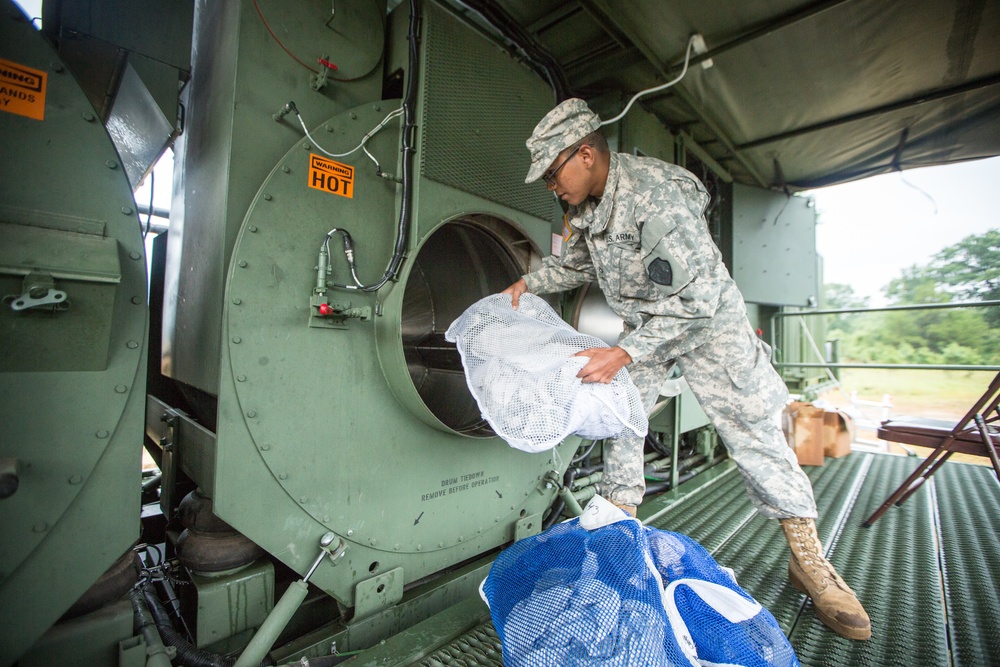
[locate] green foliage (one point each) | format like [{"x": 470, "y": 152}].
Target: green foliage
[
  {"x": 968, "y": 270},
  {"x": 971, "y": 268},
  {"x": 837, "y": 296}
]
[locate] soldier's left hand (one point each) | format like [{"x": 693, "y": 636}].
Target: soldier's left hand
[{"x": 604, "y": 364}]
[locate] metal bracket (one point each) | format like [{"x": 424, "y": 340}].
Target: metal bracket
[
  {"x": 38, "y": 291},
  {"x": 528, "y": 526},
  {"x": 378, "y": 593},
  {"x": 168, "y": 464},
  {"x": 325, "y": 314}
]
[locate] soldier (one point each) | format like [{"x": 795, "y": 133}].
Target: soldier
[{"x": 638, "y": 228}]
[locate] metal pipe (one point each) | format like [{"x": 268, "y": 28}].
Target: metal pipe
[
  {"x": 913, "y": 367},
  {"x": 886, "y": 309},
  {"x": 572, "y": 504},
  {"x": 583, "y": 496}
]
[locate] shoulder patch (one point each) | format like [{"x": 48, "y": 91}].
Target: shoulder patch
[{"x": 660, "y": 272}]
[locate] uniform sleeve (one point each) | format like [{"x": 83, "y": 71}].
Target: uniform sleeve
[
  {"x": 558, "y": 274},
  {"x": 678, "y": 207}
]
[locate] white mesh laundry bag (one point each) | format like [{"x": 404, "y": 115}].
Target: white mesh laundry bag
[{"x": 520, "y": 368}]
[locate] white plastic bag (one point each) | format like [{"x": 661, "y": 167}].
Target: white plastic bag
[{"x": 520, "y": 368}]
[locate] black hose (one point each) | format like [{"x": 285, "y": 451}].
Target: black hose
[
  {"x": 657, "y": 445},
  {"x": 188, "y": 654},
  {"x": 560, "y": 504},
  {"x": 406, "y": 205}
]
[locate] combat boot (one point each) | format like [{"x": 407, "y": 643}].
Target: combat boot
[{"x": 811, "y": 573}]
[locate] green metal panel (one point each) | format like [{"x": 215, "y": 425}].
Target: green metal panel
[
  {"x": 229, "y": 604},
  {"x": 478, "y": 108},
  {"x": 240, "y": 78},
  {"x": 774, "y": 247},
  {"x": 74, "y": 427},
  {"x": 92, "y": 640}
]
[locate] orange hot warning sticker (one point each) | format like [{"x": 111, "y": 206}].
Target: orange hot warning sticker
[
  {"x": 22, "y": 90},
  {"x": 331, "y": 176}
]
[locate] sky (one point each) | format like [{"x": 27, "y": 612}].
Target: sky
[{"x": 870, "y": 230}]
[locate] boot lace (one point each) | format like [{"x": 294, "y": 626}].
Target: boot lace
[{"x": 810, "y": 558}]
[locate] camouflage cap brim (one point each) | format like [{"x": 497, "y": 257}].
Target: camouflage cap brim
[{"x": 561, "y": 127}]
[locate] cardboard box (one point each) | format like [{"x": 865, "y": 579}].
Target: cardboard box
[
  {"x": 838, "y": 433},
  {"x": 803, "y": 426}
]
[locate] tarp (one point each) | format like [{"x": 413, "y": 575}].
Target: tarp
[{"x": 800, "y": 94}]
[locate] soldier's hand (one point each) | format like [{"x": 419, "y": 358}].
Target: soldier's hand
[
  {"x": 515, "y": 291},
  {"x": 604, "y": 364}
]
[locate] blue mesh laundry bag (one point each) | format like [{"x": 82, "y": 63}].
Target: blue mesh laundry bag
[{"x": 603, "y": 590}]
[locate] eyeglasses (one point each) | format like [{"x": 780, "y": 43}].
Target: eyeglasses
[{"x": 550, "y": 176}]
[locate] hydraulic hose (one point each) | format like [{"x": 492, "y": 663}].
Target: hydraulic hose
[
  {"x": 155, "y": 650},
  {"x": 188, "y": 654}
]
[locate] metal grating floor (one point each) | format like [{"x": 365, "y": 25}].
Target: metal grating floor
[{"x": 928, "y": 572}]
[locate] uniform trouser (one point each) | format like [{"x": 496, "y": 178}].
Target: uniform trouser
[{"x": 742, "y": 395}]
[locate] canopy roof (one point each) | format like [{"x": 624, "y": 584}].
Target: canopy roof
[{"x": 800, "y": 93}]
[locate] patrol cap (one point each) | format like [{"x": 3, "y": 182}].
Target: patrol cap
[{"x": 566, "y": 124}]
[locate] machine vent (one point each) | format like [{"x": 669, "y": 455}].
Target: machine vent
[{"x": 479, "y": 106}]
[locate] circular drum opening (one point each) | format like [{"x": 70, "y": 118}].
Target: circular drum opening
[{"x": 463, "y": 261}]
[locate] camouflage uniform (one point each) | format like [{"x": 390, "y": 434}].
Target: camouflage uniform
[{"x": 647, "y": 245}]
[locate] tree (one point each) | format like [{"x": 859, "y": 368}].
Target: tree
[
  {"x": 971, "y": 269},
  {"x": 839, "y": 295}
]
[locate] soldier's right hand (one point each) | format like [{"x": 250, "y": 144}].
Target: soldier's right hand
[{"x": 515, "y": 291}]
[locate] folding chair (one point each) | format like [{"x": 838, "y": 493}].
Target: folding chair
[{"x": 977, "y": 433}]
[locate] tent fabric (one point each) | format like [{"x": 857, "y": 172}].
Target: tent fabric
[{"x": 800, "y": 94}]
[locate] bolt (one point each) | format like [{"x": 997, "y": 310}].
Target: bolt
[
  {"x": 264, "y": 448},
  {"x": 111, "y": 164},
  {"x": 127, "y": 211},
  {"x": 283, "y": 475},
  {"x": 350, "y": 532},
  {"x": 253, "y": 229},
  {"x": 40, "y": 527},
  {"x": 243, "y": 264},
  {"x": 237, "y": 340},
  {"x": 102, "y": 434},
  {"x": 251, "y": 414},
  {"x": 135, "y": 255},
  {"x": 237, "y": 301},
  {"x": 267, "y": 197},
  {"x": 57, "y": 67},
  {"x": 137, "y": 300},
  {"x": 120, "y": 389},
  {"x": 132, "y": 344},
  {"x": 241, "y": 378},
  {"x": 75, "y": 479},
  {"x": 89, "y": 117},
  {"x": 285, "y": 169}
]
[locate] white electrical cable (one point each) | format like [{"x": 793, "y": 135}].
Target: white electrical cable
[
  {"x": 364, "y": 140},
  {"x": 687, "y": 59}
]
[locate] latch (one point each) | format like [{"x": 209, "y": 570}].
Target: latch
[{"x": 38, "y": 292}]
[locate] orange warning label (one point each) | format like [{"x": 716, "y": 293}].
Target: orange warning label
[
  {"x": 22, "y": 90},
  {"x": 331, "y": 176}
]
